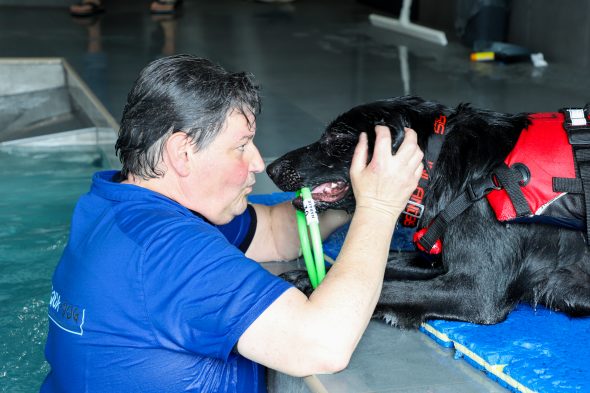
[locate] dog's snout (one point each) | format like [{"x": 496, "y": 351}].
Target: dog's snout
[
  {"x": 274, "y": 169},
  {"x": 284, "y": 175}
]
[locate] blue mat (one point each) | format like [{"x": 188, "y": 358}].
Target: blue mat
[{"x": 533, "y": 350}]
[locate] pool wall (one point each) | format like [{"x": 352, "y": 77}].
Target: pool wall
[{"x": 45, "y": 103}]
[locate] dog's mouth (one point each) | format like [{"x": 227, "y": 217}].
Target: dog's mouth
[
  {"x": 326, "y": 194},
  {"x": 330, "y": 192}
]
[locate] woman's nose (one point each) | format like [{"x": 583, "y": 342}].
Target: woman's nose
[{"x": 257, "y": 163}]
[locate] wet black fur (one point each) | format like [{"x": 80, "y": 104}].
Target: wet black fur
[{"x": 487, "y": 267}]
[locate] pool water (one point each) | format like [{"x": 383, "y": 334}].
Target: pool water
[{"x": 38, "y": 191}]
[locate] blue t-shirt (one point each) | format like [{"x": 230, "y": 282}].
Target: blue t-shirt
[{"x": 149, "y": 297}]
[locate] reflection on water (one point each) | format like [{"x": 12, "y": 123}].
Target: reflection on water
[{"x": 38, "y": 191}]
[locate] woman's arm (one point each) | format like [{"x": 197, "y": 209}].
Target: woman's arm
[
  {"x": 276, "y": 237},
  {"x": 301, "y": 336}
]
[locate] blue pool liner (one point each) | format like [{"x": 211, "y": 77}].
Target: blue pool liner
[{"x": 533, "y": 350}]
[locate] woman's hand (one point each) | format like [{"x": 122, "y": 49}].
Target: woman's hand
[{"x": 386, "y": 183}]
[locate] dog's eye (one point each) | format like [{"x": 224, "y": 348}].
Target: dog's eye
[{"x": 338, "y": 145}]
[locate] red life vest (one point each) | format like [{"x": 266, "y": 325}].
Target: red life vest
[
  {"x": 542, "y": 152},
  {"x": 548, "y": 188}
]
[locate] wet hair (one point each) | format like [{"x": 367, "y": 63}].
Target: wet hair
[{"x": 180, "y": 93}]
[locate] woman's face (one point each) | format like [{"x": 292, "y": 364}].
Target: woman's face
[{"x": 223, "y": 173}]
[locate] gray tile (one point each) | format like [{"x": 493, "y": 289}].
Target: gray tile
[{"x": 388, "y": 359}]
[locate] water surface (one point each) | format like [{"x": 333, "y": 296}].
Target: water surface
[{"x": 38, "y": 191}]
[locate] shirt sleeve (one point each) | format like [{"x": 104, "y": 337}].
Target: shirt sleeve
[
  {"x": 202, "y": 293},
  {"x": 240, "y": 231}
]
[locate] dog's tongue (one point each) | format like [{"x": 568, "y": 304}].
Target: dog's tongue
[{"x": 329, "y": 192}]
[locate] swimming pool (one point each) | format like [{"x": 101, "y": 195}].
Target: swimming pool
[{"x": 38, "y": 191}]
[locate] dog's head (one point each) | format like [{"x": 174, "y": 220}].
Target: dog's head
[{"x": 324, "y": 165}]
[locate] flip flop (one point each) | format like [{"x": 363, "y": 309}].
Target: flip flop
[
  {"x": 173, "y": 3},
  {"x": 95, "y": 9}
]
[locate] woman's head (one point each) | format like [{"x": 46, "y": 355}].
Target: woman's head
[{"x": 180, "y": 93}]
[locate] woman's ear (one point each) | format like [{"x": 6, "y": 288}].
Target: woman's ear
[{"x": 177, "y": 153}]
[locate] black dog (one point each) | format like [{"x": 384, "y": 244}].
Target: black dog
[{"x": 486, "y": 266}]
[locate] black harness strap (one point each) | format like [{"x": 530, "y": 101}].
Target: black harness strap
[
  {"x": 510, "y": 181},
  {"x": 412, "y": 214},
  {"x": 578, "y": 132},
  {"x": 501, "y": 177},
  {"x": 474, "y": 192},
  {"x": 438, "y": 226},
  {"x": 565, "y": 184},
  {"x": 582, "y": 158}
]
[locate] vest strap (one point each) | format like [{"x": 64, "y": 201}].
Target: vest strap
[
  {"x": 578, "y": 131},
  {"x": 569, "y": 185},
  {"x": 510, "y": 181}
]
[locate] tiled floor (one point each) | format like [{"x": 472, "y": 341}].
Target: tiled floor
[{"x": 314, "y": 59}]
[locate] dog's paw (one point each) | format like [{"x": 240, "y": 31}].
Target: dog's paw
[{"x": 404, "y": 321}]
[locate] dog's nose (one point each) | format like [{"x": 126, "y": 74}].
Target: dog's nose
[{"x": 283, "y": 174}]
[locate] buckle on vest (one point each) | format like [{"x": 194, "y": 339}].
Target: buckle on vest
[
  {"x": 576, "y": 117},
  {"x": 415, "y": 211},
  {"x": 577, "y": 127}
]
